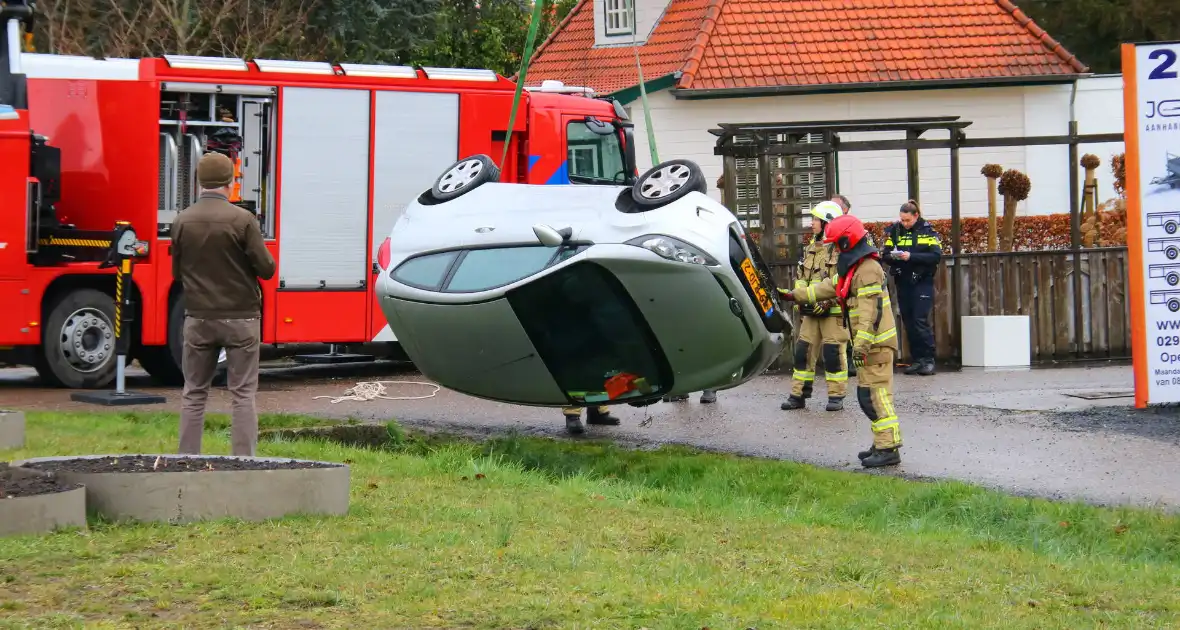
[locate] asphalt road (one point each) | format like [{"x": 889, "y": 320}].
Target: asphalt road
[{"x": 1018, "y": 431}]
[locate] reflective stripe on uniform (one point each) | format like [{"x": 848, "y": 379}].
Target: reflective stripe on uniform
[
  {"x": 871, "y": 338},
  {"x": 800, "y": 375},
  {"x": 837, "y": 376},
  {"x": 872, "y": 289}
]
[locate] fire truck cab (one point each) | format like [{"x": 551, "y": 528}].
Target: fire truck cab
[{"x": 328, "y": 156}]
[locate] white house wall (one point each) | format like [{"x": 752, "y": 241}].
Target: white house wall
[
  {"x": 647, "y": 15},
  {"x": 876, "y": 181}
]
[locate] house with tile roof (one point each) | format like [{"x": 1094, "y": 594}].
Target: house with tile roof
[{"x": 706, "y": 62}]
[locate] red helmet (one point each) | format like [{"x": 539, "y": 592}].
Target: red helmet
[{"x": 846, "y": 231}]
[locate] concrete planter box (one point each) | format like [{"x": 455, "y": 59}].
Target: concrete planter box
[
  {"x": 993, "y": 341},
  {"x": 41, "y": 513},
  {"x": 196, "y": 495},
  {"x": 12, "y": 429}
]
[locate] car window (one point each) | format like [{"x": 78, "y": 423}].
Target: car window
[
  {"x": 425, "y": 271},
  {"x": 594, "y": 158},
  {"x": 587, "y": 328},
  {"x": 483, "y": 269}
]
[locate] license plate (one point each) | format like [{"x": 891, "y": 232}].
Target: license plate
[{"x": 760, "y": 294}]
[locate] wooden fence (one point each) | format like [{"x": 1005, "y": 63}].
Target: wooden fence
[{"x": 1036, "y": 284}]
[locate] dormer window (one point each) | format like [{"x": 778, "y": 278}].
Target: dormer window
[{"x": 620, "y": 17}]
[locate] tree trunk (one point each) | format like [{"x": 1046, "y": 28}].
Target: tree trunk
[
  {"x": 1090, "y": 209},
  {"x": 991, "y": 214},
  {"x": 1009, "y": 224}
]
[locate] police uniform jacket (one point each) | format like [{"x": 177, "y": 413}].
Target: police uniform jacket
[{"x": 925, "y": 249}]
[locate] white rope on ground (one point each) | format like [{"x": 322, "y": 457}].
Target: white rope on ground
[{"x": 373, "y": 390}]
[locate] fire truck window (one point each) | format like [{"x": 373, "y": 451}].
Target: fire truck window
[
  {"x": 425, "y": 272},
  {"x": 586, "y": 328},
  {"x": 594, "y": 158},
  {"x": 483, "y": 269}
]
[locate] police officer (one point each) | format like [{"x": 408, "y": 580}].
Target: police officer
[
  {"x": 822, "y": 323},
  {"x": 913, "y": 252},
  {"x": 860, "y": 285}
]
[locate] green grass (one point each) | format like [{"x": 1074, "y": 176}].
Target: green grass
[{"x": 526, "y": 533}]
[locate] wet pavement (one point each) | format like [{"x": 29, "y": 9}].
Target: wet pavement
[{"x": 1018, "y": 431}]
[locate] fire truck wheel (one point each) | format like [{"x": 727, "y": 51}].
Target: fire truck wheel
[
  {"x": 163, "y": 363},
  {"x": 666, "y": 182},
  {"x": 464, "y": 176},
  {"x": 78, "y": 348}
]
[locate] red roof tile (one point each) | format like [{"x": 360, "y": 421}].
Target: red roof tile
[{"x": 770, "y": 43}]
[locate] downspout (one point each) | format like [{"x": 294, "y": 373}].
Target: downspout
[{"x": 1075, "y": 225}]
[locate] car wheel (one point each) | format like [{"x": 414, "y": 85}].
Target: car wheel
[
  {"x": 1170, "y": 227},
  {"x": 464, "y": 176},
  {"x": 78, "y": 348},
  {"x": 1174, "y": 305},
  {"x": 1173, "y": 278},
  {"x": 1171, "y": 253},
  {"x": 668, "y": 181}
]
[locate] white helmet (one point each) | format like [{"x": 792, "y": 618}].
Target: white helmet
[{"x": 827, "y": 210}]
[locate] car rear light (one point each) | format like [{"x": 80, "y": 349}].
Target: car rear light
[
  {"x": 383, "y": 255},
  {"x": 673, "y": 249}
]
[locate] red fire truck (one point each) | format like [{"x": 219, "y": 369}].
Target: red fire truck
[{"x": 328, "y": 157}]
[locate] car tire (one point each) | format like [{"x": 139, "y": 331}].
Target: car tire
[
  {"x": 78, "y": 342},
  {"x": 464, "y": 176},
  {"x": 666, "y": 182}
]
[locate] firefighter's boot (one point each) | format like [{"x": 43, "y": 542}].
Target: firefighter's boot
[
  {"x": 708, "y": 397},
  {"x": 794, "y": 402},
  {"x": 864, "y": 454},
  {"x": 835, "y": 403},
  {"x": 601, "y": 416},
  {"x": 882, "y": 457},
  {"x": 573, "y": 424}
]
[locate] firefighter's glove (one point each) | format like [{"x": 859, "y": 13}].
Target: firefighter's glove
[
  {"x": 820, "y": 308},
  {"x": 859, "y": 357},
  {"x": 788, "y": 296}
]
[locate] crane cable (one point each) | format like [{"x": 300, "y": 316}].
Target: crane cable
[{"x": 534, "y": 23}]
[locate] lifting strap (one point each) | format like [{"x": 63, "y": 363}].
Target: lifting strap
[{"x": 534, "y": 22}]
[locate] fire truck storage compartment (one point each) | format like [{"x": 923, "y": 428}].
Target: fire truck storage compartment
[
  {"x": 230, "y": 119},
  {"x": 323, "y": 214},
  {"x": 415, "y": 138}
]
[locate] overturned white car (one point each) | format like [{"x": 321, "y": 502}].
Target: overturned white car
[{"x": 578, "y": 295}]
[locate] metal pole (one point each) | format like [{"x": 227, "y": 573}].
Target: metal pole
[
  {"x": 122, "y": 319},
  {"x": 956, "y": 247},
  {"x": 1075, "y": 238},
  {"x": 911, "y": 159},
  {"x": 14, "y": 60}
]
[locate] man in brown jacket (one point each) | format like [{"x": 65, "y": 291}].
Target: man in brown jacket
[{"x": 218, "y": 255}]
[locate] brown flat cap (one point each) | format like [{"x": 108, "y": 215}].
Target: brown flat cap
[{"x": 215, "y": 170}]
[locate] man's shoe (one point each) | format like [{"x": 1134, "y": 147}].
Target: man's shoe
[
  {"x": 594, "y": 417},
  {"x": 927, "y": 368},
  {"x": 573, "y": 425},
  {"x": 887, "y": 457},
  {"x": 835, "y": 404},
  {"x": 708, "y": 397},
  {"x": 913, "y": 368},
  {"x": 794, "y": 402}
]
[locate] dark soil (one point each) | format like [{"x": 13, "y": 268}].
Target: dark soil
[
  {"x": 14, "y": 486},
  {"x": 1154, "y": 423},
  {"x": 148, "y": 463}
]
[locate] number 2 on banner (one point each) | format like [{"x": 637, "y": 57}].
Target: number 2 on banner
[{"x": 1162, "y": 71}]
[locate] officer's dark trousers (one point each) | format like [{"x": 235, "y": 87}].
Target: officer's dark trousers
[{"x": 916, "y": 302}]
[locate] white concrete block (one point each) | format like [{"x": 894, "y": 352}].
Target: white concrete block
[{"x": 996, "y": 340}]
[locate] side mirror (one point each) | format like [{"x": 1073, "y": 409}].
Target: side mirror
[{"x": 550, "y": 237}]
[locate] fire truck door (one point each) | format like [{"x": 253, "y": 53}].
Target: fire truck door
[{"x": 323, "y": 215}]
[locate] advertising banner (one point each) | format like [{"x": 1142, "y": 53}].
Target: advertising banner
[{"x": 1151, "y": 118}]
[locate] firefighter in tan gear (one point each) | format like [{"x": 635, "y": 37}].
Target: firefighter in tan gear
[
  {"x": 861, "y": 285},
  {"x": 594, "y": 415},
  {"x": 823, "y": 332}
]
